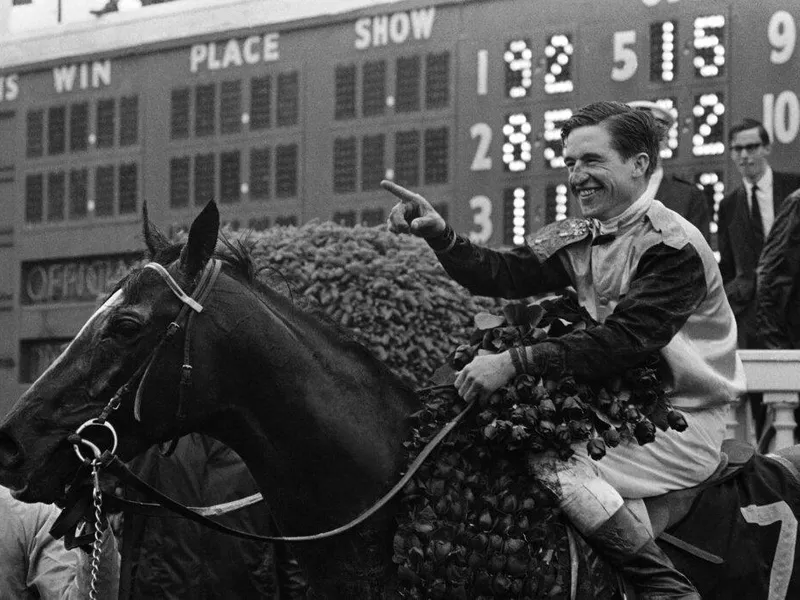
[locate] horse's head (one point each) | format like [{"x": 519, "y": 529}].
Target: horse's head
[{"x": 124, "y": 342}]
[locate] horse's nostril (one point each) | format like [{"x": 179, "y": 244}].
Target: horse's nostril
[{"x": 10, "y": 454}]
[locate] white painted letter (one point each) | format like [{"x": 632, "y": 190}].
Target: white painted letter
[
  {"x": 213, "y": 62},
  {"x": 64, "y": 78},
  {"x": 101, "y": 73},
  {"x": 380, "y": 31},
  {"x": 250, "y": 50},
  {"x": 363, "y": 38},
  {"x": 198, "y": 54},
  {"x": 422, "y": 21},
  {"x": 399, "y": 26},
  {"x": 232, "y": 55},
  {"x": 12, "y": 87},
  {"x": 271, "y": 51}
]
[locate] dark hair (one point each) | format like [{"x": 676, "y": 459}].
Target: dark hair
[
  {"x": 746, "y": 124},
  {"x": 632, "y": 130}
]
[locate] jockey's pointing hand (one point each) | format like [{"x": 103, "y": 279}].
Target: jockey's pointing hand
[
  {"x": 413, "y": 214},
  {"x": 484, "y": 375}
]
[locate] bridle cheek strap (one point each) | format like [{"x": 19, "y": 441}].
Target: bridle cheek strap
[{"x": 194, "y": 302}]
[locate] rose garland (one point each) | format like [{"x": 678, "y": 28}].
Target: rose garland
[{"x": 474, "y": 522}]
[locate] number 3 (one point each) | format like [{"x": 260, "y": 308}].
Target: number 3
[
  {"x": 783, "y": 563},
  {"x": 482, "y": 219}
]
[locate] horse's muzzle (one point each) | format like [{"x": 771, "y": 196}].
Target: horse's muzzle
[{"x": 10, "y": 453}]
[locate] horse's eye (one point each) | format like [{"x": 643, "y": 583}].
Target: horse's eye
[{"x": 124, "y": 327}]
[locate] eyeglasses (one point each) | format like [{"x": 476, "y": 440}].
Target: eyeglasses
[{"x": 749, "y": 147}]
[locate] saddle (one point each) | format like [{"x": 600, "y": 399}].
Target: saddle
[{"x": 671, "y": 508}]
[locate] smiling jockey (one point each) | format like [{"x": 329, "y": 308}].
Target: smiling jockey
[{"x": 651, "y": 281}]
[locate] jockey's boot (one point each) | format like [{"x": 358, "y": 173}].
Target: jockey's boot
[{"x": 629, "y": 546}]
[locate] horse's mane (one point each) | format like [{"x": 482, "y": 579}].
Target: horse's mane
[{"x": 238, "y": 261}]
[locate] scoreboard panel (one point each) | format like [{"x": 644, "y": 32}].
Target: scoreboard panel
[{"x": 293, "y": 120}]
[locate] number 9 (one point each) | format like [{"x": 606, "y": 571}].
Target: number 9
[{"x": 782, "y": 34}]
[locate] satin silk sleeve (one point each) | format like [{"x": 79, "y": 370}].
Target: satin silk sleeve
[
  {"x": 668, "y": 286},
  {"x": 514, "y": 273},
  {"x": 778, "y": 272}
]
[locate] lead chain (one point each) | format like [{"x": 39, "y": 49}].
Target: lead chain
[{"x": 97, "y": 497}]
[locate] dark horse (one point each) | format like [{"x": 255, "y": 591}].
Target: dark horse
[{"x": 318, "y": 420}]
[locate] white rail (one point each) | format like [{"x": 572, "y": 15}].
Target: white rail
[{"x": 775, "y": 373}]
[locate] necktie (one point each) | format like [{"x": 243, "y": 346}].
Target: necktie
[{"x": 755, "y": 217}]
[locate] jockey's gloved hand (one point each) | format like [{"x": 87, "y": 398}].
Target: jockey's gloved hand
[
  {"x": 413, "y": 214},
  {"x": 487, "y": 373}
]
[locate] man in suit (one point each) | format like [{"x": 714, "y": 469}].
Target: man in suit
[
  {"x": 746, "y": 216},
  {"x": 744, "y": 224},
  {"x": 685, "y": 198}
]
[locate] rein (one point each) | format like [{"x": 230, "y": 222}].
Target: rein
[{"x": 165, "y": 505}]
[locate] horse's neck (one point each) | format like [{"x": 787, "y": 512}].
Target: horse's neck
[{"x": 321, "y": 429}]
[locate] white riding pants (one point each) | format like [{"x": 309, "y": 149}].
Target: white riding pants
[{"x": 590, "y": 491}]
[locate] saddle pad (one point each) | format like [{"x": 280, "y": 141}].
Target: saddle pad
[{"x": 751, "y": 521}]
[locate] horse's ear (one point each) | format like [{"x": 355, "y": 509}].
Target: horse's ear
[
  {"x": 153, "y": 238},
  {"x": 202, "y": 240}
]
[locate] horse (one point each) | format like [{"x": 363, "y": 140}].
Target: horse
[{"x": 319, "y": 421}]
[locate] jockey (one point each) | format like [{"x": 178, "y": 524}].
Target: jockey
[{"x": 651, "y": 281}]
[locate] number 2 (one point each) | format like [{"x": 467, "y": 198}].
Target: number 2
[
  {"x": 783, "y": 563},
  {"x": 482, "y": 161}
]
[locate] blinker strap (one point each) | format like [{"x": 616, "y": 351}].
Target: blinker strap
[{"x": 173, "y": 285}]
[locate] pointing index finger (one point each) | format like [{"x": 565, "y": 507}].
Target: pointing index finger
[{"x": 399, "y": 191}]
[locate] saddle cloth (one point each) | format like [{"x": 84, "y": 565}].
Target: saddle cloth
[{"x": 749, "y": 518}]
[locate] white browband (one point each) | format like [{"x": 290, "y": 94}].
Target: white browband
[{"x": 173, "y": 285}]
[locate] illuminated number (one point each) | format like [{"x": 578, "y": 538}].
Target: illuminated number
[
  {"x": 782, "y": 116},
  {"x": 482, "y": 219},
  {"x": 709, "y": 46},
  {"x": 482, "y": 160},
  {"x": 519, "y": 62},
  {"x": 777, "y": 512},
  {"x": 624, "y": 55},
  {"x": 556, "y": 202},
  {"x": 558, "y": 53},
  {"x": 553, "y": 120},
  {"x": 515, "y": 215},
  {"x": 516, "y": 142},
  {"x": 712, "y": 182},
  {"x": 663, "y": 62},
  {"x": 708, "y": 125},
  {"x": 782, "y": 35},
  {"x": 670, "y": 149}
]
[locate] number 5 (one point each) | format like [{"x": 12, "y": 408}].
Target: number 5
[
  {"x": 783, "y": 563},
  {"x": 624, "y": 55}
]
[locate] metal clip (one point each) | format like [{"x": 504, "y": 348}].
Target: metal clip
[
  {"x": 92, "y": 446},
  {"x": 186, "y": 375}
]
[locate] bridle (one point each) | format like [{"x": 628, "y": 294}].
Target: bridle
[{"x": 163, "y": 505}]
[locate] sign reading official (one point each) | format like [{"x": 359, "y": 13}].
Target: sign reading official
[{"x": 73, "y": 280}]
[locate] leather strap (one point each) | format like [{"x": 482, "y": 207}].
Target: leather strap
[
  {"x": 113, "y": 465},
  {"x": 691, "y": 549}
]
